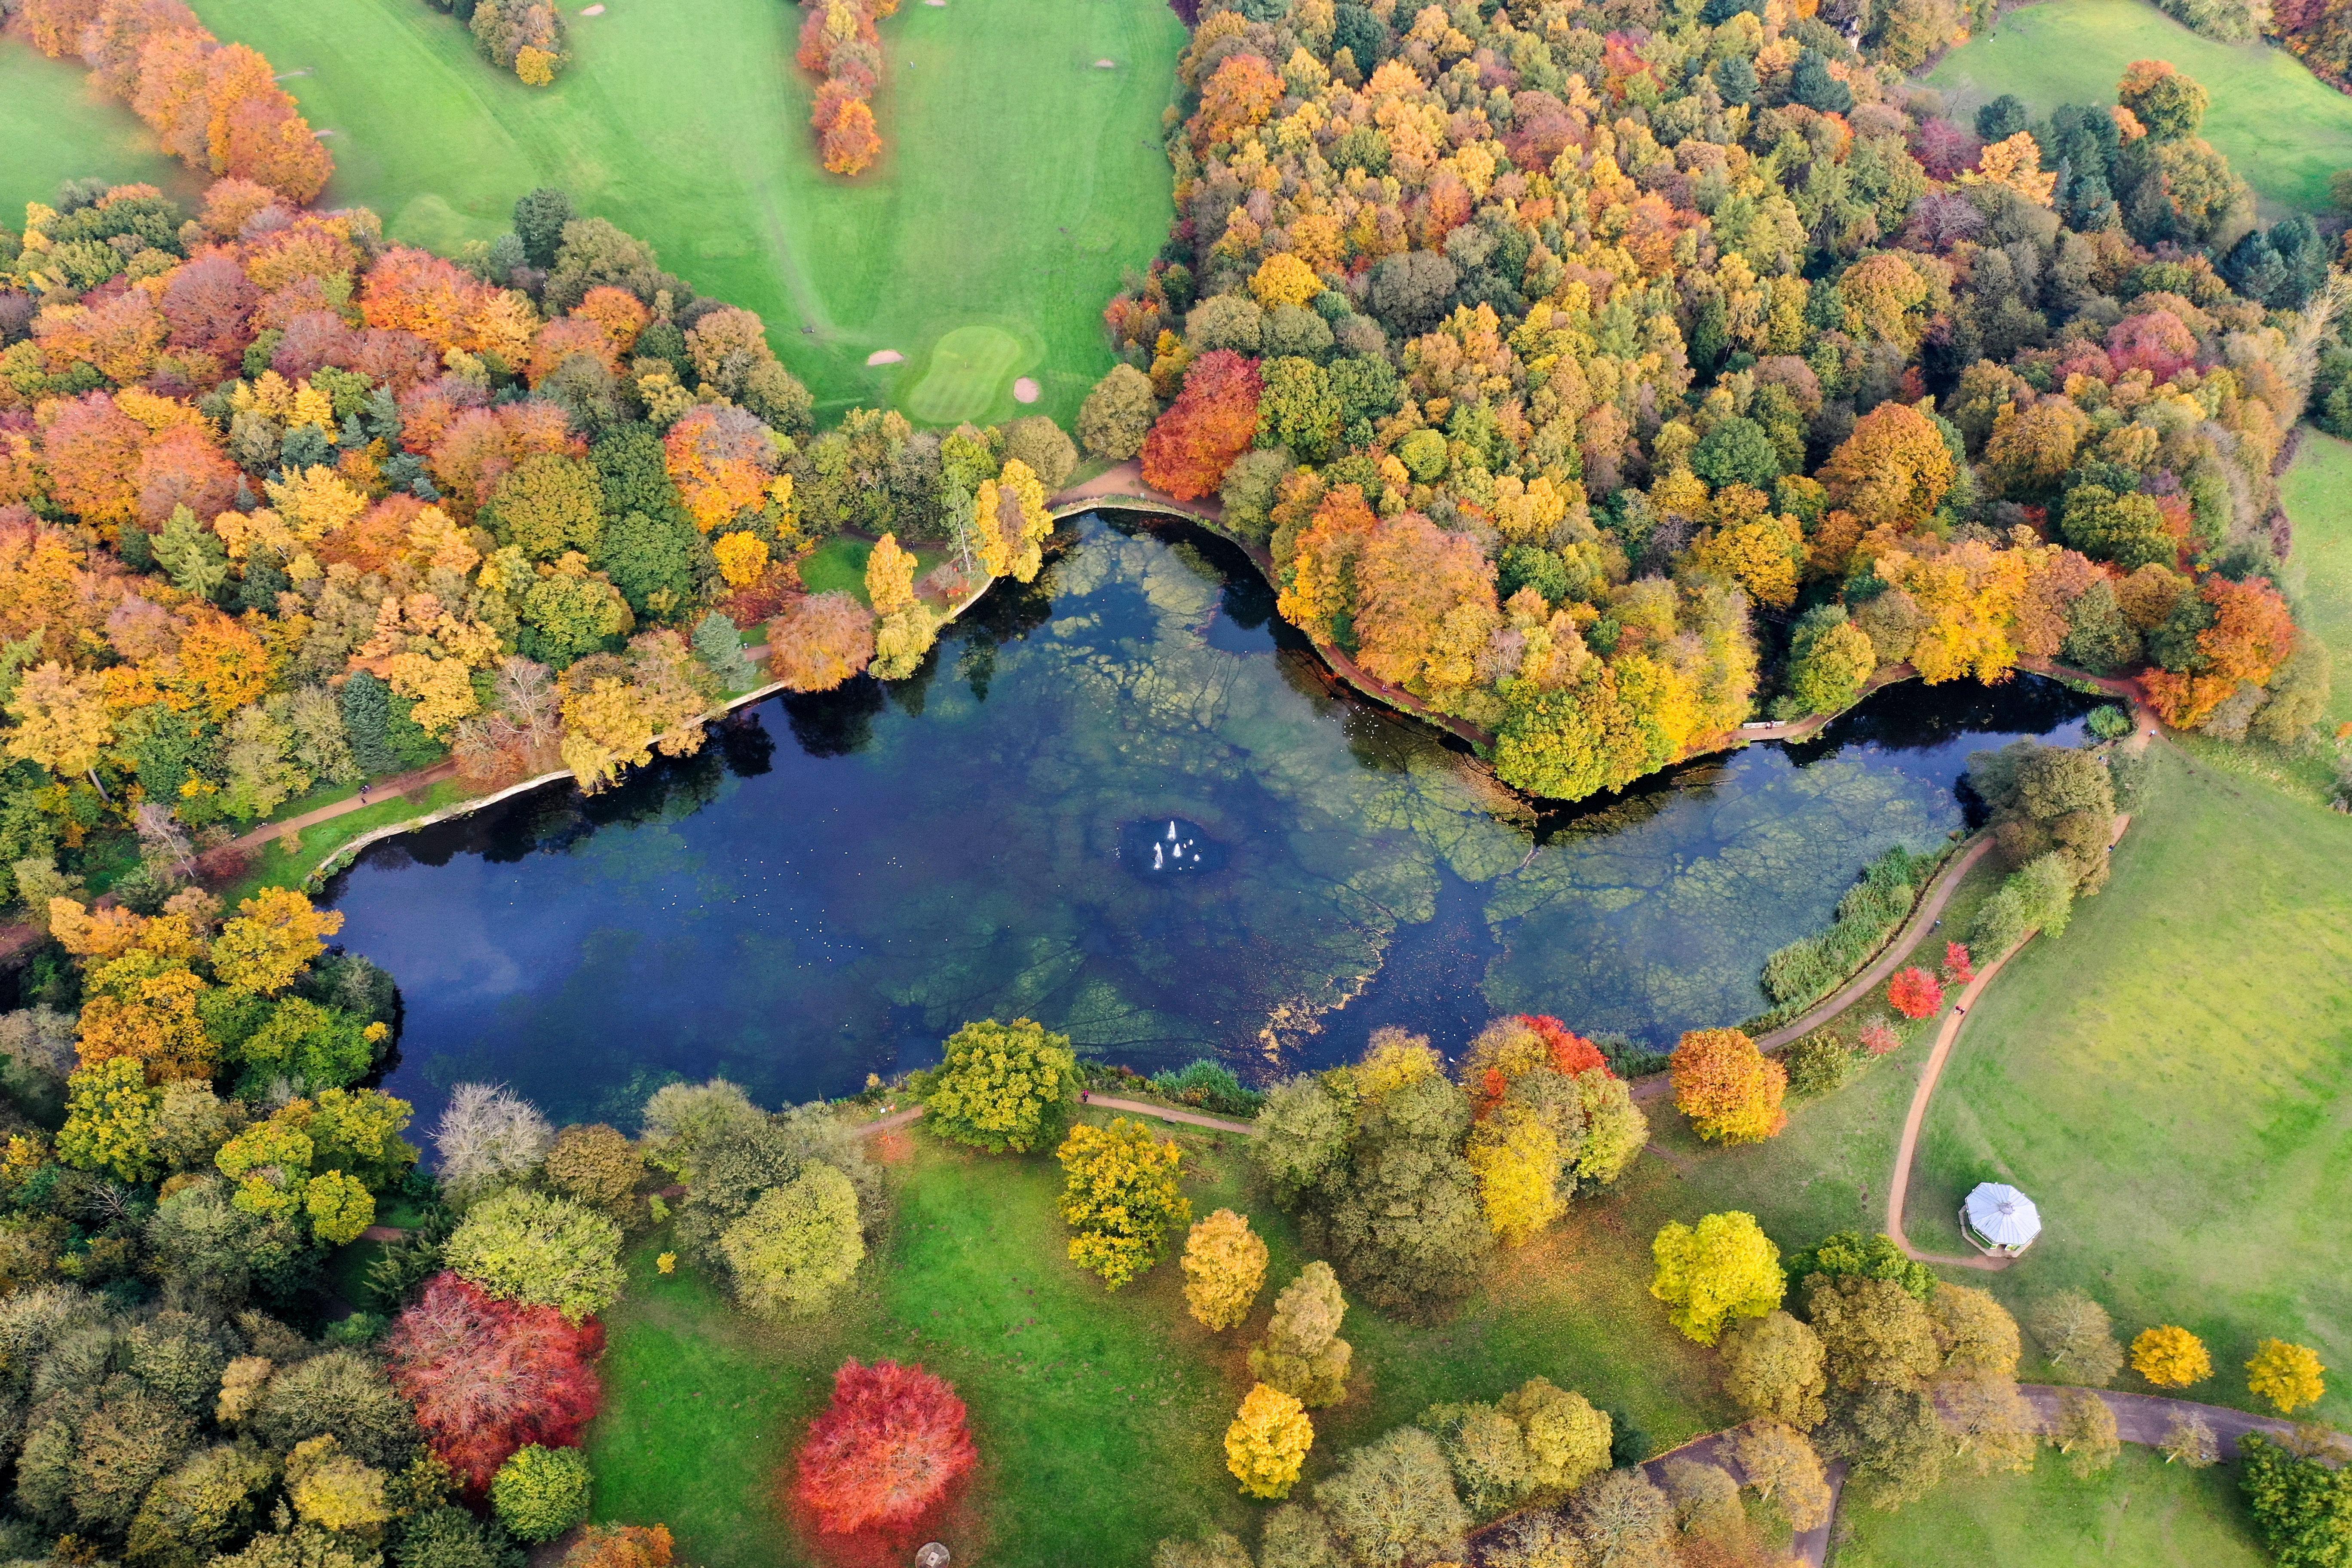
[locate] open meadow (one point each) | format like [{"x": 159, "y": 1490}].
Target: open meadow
[
  {"x": 54, "y": 126},
  {"x": 1100, "y": 1415},
  {"x": 1019, "y": 180},
  {"x": 2282, "y": 128}
]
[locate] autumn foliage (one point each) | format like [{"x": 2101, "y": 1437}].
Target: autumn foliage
[
  {"x": 838, "y": 42},
  {"x": 1729, "y": 1090},
  {"x": 2170, "y": 1357},
  {"x": 1914, "y": 992},
  {"x": 1212, "y": 421},
  {"x": 217, "y": 108},
  {"x": 488, "y": 1377},
  {"x": 886, "y": 1448}
]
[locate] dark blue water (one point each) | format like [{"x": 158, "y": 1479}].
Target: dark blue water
[{"x": 838, "y": 881}]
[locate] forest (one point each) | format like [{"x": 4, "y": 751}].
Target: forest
[{"x": 1587, "y": 378}]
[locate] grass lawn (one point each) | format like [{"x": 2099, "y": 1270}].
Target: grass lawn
[
  {"x": 1101, "y": 1416},
  {"x": 838, "y": 566},
  {"x": 1019, "y": 180},
  {"x": 2317, "y": 495},
  {"x": 2283, "y": 129},
  {"x": 2143, "y": 1512},
  {"x": 274, "y": 868},
  {"x": 54, "y": 127},
  {"x": 2169, "y": 1081}
]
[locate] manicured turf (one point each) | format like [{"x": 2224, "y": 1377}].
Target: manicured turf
[
  {"x": 2143, "y": 1512},
  {"x": 969, "y": 372},
  {"x": 1019, "y": 182},
  {"x": 2283, "y": 129},
  {"x": 2169, "y": 1081},
  {"x": 274, "y": 868},
  {"x": 1099, "y": 1416},
  {"x": 55, "y": 127}
]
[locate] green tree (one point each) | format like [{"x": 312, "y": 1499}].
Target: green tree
[
  {"x": 539, "y": 1248},
  {"x": 793, "y": 1250},
  {"x": 1392, "y": 1502},
  {"x": 539, "y": 1493},
  {"x": 1829, "y": 658},
  {"x": 110, "y": 1114},
  {"x": 1721, "y": 1269},
  {"x": 1851, "y": 1253},
  {"x": 1302, "y": 1353},
  {"x": 2128, "y": 530},
  {"x": 2302, "y": 1506},
  {"x": 1772, "y": 1370},
  {"x": 549, "y": 504},
  {"x": 1298, "y": 410},
  {"x": 1736, "y": 451},
  {"x": 1117, "y": 414},
  {"x": 1002, "y": 1086}
]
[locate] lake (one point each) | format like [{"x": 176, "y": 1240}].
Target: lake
[{"x": 838, "y": 881}]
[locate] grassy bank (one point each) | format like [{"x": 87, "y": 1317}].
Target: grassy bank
[
  {"x": 1099, "y": 1416},
  {"x": 55, "y": 127},
  {"x": 2283, "y": 129},
  {"x": 2169, "y": 1081},
  {"x": 1020, "y": 179},
  {"x": 2143, "y": 1512}
]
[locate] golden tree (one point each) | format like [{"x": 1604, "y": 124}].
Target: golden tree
[
  {"x": 1268, "y": 1442},
  {"x": 2170, "y": 1357},
  {"x": 2287, "y": 1375},
  {"x": 1224, "y": 1269}
]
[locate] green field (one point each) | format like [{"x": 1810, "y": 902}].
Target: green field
[
  {"x": 2171, "y": 1081},
  {"x": 2317, "y": 495},
  {"x": 838, "y": 566},
  {"x": 54, "y": 127},
  {"x": 1019, "y": 181},
  {"x": 2282, "y": 128},
  {"x": 1099, "y": 1416},
  {"x": 2143, "y": 1512}
]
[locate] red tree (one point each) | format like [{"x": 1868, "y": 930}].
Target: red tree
[
  {"x": 885, "y": 1449},
  {"x": 1878, "y": 1038},
  {"x": 1212, "y": 421},
  {"x": 1571, "y": 1053},
  {"x": 1960, "y": 968},
  {"x": 488, "y": 1377},
  {"x": 1914, "y": 992}
]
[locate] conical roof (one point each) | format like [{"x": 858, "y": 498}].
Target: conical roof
[{"x": 2002, "y": 1214}]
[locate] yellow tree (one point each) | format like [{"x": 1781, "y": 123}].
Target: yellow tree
[
  {"x": 1120, "y": 1198},
  {"x": 1517, "y": 1159},
  {"x": 2287, "y": 1375},
  {"x": 889, "y": 576},
  {"x": 1268, "y": 1442},
  {"x": 742, "y": 558},
  {"x": 1731, "y": 1091},
  {"x": 272, "y": 939},
  {"x": 1224, "y": 1269},
  {"x": 1723, "y": 1267},
  {"x": 143, "y": 1007},
  {"x": 1893, "y": 469},
  {"x": 606, "y": 730},
  {"x": 2170, "y": 1357},
  {"x": 61, "y": 720},
  {"x": 1011, "y": 523},
  {"x": 2015, "y": 165}
]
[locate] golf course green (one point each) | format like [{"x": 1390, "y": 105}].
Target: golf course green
[{"x": 1019, "y": 176}]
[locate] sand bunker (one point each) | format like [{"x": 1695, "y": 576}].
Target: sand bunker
[
  {"x": 885, "y": 356},
  {"x": 593, "y": 11},
  {"x": 1027, "y": 391},
  {"x": 1106, "y": 64}
]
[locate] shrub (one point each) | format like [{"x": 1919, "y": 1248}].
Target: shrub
[
  {"x": 793, "y": 1251},
  {"x": 1224, "y": 1269},
  {"x": 2109, "y": 722},
  {"x": 1210, "y": 1085},
  {"x": 1878, "y": 1037},
  {"x": 1914, "y": 992},
  {"x": 2287, "y": 1375},
  {"x": 1121, "y": 1197},
  {"x": 888, "y": 1447},
  {"x": 1721, "y": 1269},
  {"x": 1003, "y": 1086},
  {"x": 1302, "y": 1353},
  {"x": 539, "y": 1492},
  {"x": 1731, "y": 1091},
  {"x": 1819, "y": 1063},
  {"x": 488, "y": 1377},
  {"x": 1267, "y": 1442},
  {"x": 1960, "y": 968},
  {"x": 619, "y": 1546},
  {"x": 1813, "y": 966},
  {"x": 597, "y": 1166},
  {"x": 2170, "y": 1357},
  {"x": 548, "y": 1251}
]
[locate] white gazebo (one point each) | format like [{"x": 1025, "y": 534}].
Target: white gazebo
[{"x": 1999, "y": 1220}]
